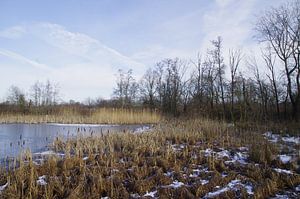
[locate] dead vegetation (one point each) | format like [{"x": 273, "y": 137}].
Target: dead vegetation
[
  {"x": 95, "y": 116},
  {"x": 190, "y": 159}
]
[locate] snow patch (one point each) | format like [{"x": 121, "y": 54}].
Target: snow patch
[
  {"x": 295, "y": 140},
  {"x": 142, "y": 129},
  {"x": 176, "y": 184},
  {"x": 169, "y": 173},
  {"x": 215, "y": 193},
  {"x": 150, "y": 194},
  {"x": 272, "y": 137},
  {"x": 298, "y": 188},
  {"x": 85, "y": 158},
  {"x": 42, "y": 180},
  {"x": 275, "y": 138},
  {"x": 285, "y": 158},
  {"x": 204, "y": 182},
  {"x": 283, "y": 171},
  {"x": 48, "y": 153},
  {"x": 233, "y": 185},
  {"x": 3, "y": 187}
]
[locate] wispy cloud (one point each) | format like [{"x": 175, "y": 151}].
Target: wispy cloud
[
  {"x": 96, "y": 69},
  {"x": 25, "y": 60}
]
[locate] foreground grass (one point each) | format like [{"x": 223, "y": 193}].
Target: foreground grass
[
  {"x": 190, "y": 159},
  {"x": 97, "y": 116}
]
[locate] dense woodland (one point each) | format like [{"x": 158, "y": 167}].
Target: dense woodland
[{"x": 214, "y": 84}]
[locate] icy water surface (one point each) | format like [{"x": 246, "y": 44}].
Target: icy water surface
[{"x": 37, "y": 137}]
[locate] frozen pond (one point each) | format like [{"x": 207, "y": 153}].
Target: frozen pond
[{"x": 37, "y": 137}]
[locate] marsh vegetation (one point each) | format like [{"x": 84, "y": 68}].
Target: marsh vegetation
[{"x": 190, "y": 159}]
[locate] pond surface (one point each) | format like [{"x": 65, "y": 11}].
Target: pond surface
[{"x": 15, "y": 138}]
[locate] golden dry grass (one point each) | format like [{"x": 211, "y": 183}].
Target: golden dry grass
[
  {"x": 97, "y": 116},
  {"x": 127, "y": 165}
]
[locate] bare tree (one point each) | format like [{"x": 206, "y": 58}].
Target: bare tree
[
  {"x": 126, "y": 88},
  {"x": 218, "y": 60},
  {"x": 148, "y": 87},
  {"x": 196, "y": 84},
  {"x": 36, "y": 93},
  {"x": 280, "y": 27},
  {"x": 270, "y": 63},
  {"x": 262, "y": 92},
  {"x": 235, "y": 57},
  {"x": 170, "y": 83},
  {"x": 15, "y": 95}
]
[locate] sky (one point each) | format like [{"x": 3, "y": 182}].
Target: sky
[{"x": 81, "y": 44}]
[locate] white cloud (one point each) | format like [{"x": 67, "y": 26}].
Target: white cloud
[{"x": 13, "y": 32}]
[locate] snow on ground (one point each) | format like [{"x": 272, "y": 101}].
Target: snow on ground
[
  {"x": 3, "y": 187},
  {"x": 283, "y": 171},
  {"x": 169, "y": 173},
  {"x": 85, "y": 158},
  {"x": 240, "y": 157},
  {"x": 272, "y": 137},
  {"x": 150, "y": 194},
  {"x": 233, "y": 185},
  {"x": 295, "y": 140},
  {"x": 41, "y": 180},
  {"x": 177, "y": 147},
  {"x": 204, "y": 182},
  {"x": 176, "y": 184},
  {"x": 142, "y": 129},
  {"x": 215, "y": 193},
  {"x": 281, "y": 196},
  {"x": 285, "y": 158},
  {"x": 48, "y": 153}
]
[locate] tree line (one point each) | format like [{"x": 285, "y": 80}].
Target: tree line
[
  {"x": 208, "y": 90},
  {"x": 41, "y": 94},
  {"x": 214, "y": 83}
]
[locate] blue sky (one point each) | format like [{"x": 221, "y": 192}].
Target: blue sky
[{"x": 82, "y": 43}]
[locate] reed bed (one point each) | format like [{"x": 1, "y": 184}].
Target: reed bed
[
  {"x": 178, "y": 159},
  {"x": 96, "y": 116}
]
